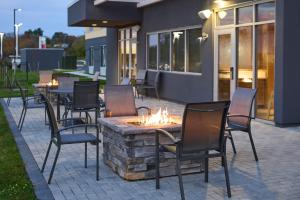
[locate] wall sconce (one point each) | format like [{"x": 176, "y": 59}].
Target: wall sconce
[
  {"x": 205, "y": 14},
  {"x": 221, "y": 3},
  {"x": 203, "y": 38},
  {"x": 222, "y": 14}
]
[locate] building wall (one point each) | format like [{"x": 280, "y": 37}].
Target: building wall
[{"x": 287, "y": 75}]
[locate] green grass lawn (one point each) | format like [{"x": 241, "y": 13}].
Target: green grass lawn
[{"x": 14, "y": 183}]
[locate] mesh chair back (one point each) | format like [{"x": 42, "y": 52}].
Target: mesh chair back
[
  {"x": 22, "y": 93},
  {"x": 119, "y": 101},
  {"x": 125, "y": 81},
  {"x": 86, "y": 95},
  {"x": 141, "y": 77},
  {"x": 203, "y": 126},
  {"x": 66, "y": 83},
  {"x": 45, "y": 76},
  {"x": 241, "y": 104},
  {"x": 51, "y": 116}
]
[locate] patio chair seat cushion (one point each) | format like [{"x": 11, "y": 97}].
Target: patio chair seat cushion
[{"x": 78, "y": 138}]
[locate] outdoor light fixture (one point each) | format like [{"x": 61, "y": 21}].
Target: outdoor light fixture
[
  {"x": 222, "y": 14},
  {"x": 94, "y": 25},
  {"x": 221, "y": 3},
  {"x": 104, "y": 22},
  {"x": 1, "y": 48},
  {"x": 205, "y": 14},
  {"x": 203, "y": 38}
]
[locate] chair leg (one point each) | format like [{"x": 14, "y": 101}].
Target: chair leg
[
  {"x": 85, "y": 155},
  {"x": 206, "y": 169},
  {"x": 8, "y": 101},
  {"x": 97, "y": 161},
  {"x": 21, "y": 117},
  {"x": 24, "y": 115},
  {"x": 46, "y": 158},
  {"x": 232, "y": 142},
  {"x": 53, "y": 166},
  {"x": 180, "y": 178},
  {"x": 252, "y": 144},
  {"x": 227, "y": 176},
  {"x": 157, "y": 165}
]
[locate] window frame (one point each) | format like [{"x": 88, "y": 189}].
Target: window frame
[{"x": 171, "y": 49}]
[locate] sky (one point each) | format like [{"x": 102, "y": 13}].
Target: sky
[{"x": 50, "y": 15}]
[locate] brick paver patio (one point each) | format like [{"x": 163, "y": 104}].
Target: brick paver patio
[{"x": 275, "y": 176}]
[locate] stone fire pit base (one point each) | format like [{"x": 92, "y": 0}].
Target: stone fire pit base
[{"x": 130, "y": 150}]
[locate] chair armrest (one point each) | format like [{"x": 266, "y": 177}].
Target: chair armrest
[
  {"x": 79, "y": 126},
  {"x": 64, "y": 120},
  {"x": 169, "y": 135},
  {"x": 249, "y": 117},
  {"x": 146, "y": 108}
]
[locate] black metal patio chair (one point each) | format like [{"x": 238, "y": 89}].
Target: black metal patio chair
[
  {"x": 85, "y": 99},
  {"x": 59, "y": 137},
  {"x": 119, "y": 101},
  {"x": 202, "y": 137},
  {"x": 142, "y": 85},
  {"x": 240, "y": 115},
  {"x": 11, "y": 89},
  {"x": 28, "y": 103}
]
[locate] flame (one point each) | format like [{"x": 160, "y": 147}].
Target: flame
[
  {"x": 53, "y": 83},
  {"x": 160, "y": 118}
]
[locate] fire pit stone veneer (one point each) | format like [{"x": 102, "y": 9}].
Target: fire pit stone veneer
[{"x": 130, "y": 149}]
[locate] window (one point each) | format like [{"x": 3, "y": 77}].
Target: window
[
  {"x": 164, "y": 52},
  {"x": 91, "y": 57},
  {"x": 245, "y": 15},
  {"x": 175, "y": 51},
  {"x": 225, "y": 17},
  {"x": 265, "y": 11},
  {"x": 178, "y": 51},
  {"x": 103, "y": 56},
  {"x": 194, "y": 50},
  {"x": 152, "y": 51}
]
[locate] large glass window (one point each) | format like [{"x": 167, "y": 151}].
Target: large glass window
[
  {"x": 225, "y": 17},
  {"x": 194, "y": 50},
  {"x": 245, "y": 72},
  {"x": 164, "y": 52},
  {"x": 91, "y": 57},
  {"x": 175, "y": 51},
  {"x": 265, "y": 11},
  {"x": 265, "y": 61},
  {"x": 178, "y": 51},
  {"x": 127, "y": 53},
  {"x": 103, "y": 56},
  {"x": 152, "y": 51},
  {"x": 245, "y": 15}
]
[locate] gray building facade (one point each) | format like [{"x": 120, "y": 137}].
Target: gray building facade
[{"x": 240, "y": 44}]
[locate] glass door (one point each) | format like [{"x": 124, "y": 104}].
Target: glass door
[{"x": 225, "y": 64}]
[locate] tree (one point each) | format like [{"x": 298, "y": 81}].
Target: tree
[{"x": 77, "y": 48}]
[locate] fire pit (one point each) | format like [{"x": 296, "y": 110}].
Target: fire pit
[{"x": 129, "y": 145}]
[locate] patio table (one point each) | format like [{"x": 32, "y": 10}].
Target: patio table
[{"x": 59, "y": 92}]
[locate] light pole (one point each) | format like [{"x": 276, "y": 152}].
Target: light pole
[
  {"x": 15, "y": 10},
  {"x": 1, "y": 48},
  {"x": 17, "y": 27}
]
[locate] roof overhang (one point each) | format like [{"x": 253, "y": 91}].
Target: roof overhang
[
  {"x": 83, "y": 13},
  {"x": 140, "y": 3}
]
